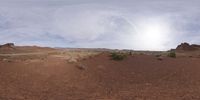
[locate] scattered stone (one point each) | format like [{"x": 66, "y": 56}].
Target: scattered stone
[
  {"x": 84, "y": 58},
  {"x": 72, "y": 60},
  {"x": 190, "y": 56},
  {"x": 6, "y": 60},
  {"x": 81, "y": 66},
  {"x": 160, "y": 58}
]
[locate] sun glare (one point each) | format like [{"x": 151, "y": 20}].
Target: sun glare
[{"x": 152, "y": 33}]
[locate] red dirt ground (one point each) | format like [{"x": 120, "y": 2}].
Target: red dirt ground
[{"x": 138, "y": 77}]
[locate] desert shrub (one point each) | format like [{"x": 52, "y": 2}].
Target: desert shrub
[
  {"x": 117, "y": 56},
  {"x": 172, "y": 54}
]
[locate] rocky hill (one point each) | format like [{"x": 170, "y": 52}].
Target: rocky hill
[
  {"x": 7, "y": 45},
  {"x": 11, "y": 48},
  {"x": 187, "y": 47}
]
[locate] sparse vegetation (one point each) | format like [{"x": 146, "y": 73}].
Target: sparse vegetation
[
  {"x": 78, "y": 72},
  {"x": 118, "y": 56},
  {"x": 172, "y": 54}
]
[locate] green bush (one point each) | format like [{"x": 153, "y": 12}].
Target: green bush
[
  {"x": 172, "y": 54},
  {"x": 117, "y": 56}
]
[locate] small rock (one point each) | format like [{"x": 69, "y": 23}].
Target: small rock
[
  {"x": 160, "y": 58},
  {"x": 81, "y": 66},
  {"x": 7, "y": 60},
  {"x": 72, "y": 60},
  {"x": 190, "y": 56}
]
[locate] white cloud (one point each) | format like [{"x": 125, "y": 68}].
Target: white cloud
[{"x": 92, "y": 23}]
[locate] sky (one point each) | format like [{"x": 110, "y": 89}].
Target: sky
[{"x": 115, "y": 24}]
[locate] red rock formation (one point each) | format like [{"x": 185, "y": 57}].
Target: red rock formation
[
  {"x": 8, "y": 45},
  {"x": 187, "y": 47}
]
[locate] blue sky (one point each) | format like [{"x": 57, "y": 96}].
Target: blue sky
[{"x": 121, "y": 24}]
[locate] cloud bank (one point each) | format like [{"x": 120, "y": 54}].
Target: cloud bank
[{"x": 127, "y": 24}]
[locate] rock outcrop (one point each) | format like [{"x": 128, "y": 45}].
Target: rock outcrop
[
  {"x": 187, "y": 47},
  {"x": 7, "y": 45}
]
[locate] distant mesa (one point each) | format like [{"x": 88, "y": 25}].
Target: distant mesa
[
  {"x": 7, "y": 48},
  {"x": 187, "y": 47},
  {"x": 8, "y": 45}
]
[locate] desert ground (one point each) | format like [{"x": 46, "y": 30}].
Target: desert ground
[{"x": 42, "y": 73}]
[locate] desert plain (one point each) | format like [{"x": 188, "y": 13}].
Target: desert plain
[{"x": 43, "y": 73}]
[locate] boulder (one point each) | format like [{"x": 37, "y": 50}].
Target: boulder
[{"x": 81, "y": 66}]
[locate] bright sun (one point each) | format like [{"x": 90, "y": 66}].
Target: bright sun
[{"x": 152, "y": 33}]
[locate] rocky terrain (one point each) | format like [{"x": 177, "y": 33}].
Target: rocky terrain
[
  {"x": 187, "y": 47},
  {"x": 42, "y": 73}
]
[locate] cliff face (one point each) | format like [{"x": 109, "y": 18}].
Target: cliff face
[{"x": 187, "y": 47}]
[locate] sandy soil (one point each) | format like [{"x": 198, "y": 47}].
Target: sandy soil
[{"x": 94, "y": 76}]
